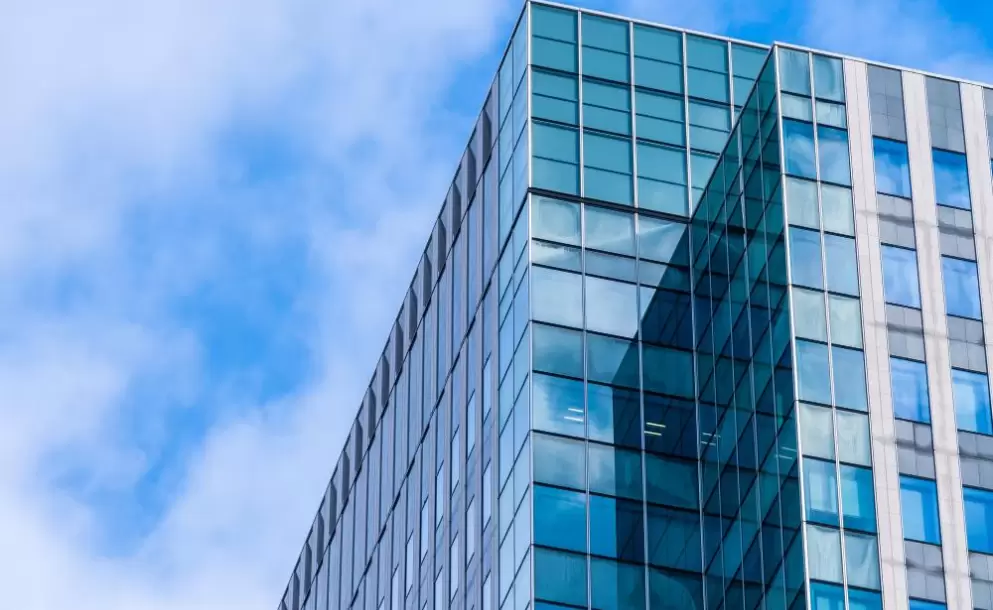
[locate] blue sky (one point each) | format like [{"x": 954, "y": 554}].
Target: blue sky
[{"x": 209, "y": 214}]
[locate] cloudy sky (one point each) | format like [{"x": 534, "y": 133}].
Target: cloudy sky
[{"x": 209, "y": 213}]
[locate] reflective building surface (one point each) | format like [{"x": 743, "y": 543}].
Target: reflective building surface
[{"x": 700, "y": 326}]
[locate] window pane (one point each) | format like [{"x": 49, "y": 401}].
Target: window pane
[
  {"x": 860, "y": 599},
  {"x": 808, "y": 314},
  {"x": 972, "y": 401},
  {"x": 820, "y": 485},
  {"x": 831, "y": 114},
  {"x": 979, "y": 519},
  {"x": 841, "y": 264},
  {"x": 670, "y": 481},
  {"x": 817, "y": 431},
  {"x": 607, "y": 168},
  {"x": 559, "y": 461},
  {"x": 824, "y": 553},
  {"x": 555, "y": 220},
  {"x": 615, "y": 472},
  {"x": 846, "y": 321},
  {"x": 553, "y": 23},
  {"x": 801, "y": 197},
  {"x": 613, "y": 361},
  {"x": 910, "y": 390},
  {"x": 611, "y": 307},
  {"x": 961, "y": 288},
  {"x": 798, "y": 141},
  {"x": 558, "y": 350},
  {"x": 558, "y": 405},
  {"x": 556, "y": 158},
  {"x": 858, "y": 500},
  {"x": 836, "y": 205},
  {"x": 560, "y": 577},
  {"x": 794, "y": 71},
  {"x": 707, "y": 85},
  {"x": 674, "y": 539},
  {"x": 805, "y": 258},
  {"x": 853, "y": 438},
  {"x": 614, "y": 415},
  {"x": 609, "y": 230},
  {"x": 606, "y": 107},
  {"x": 827, "y": 597},
  {"x": 662, "y": 177},
  {"x": 617, "y": 586},
  {"x": 900, "y": 277},
  {"x": 797, "y": 107},
  {"x": 559, "y": 515},
  {"x": 892, "y": 167},
  {"x": 862, "y": 557},
  {"x": 919, "y": 505},
  {"x": 660, "y": 117},
  {"x": 812, "y": 368},
  {"x": 668, "y": 371},
  {"x": 849, "y": 378},
  {"x": 557, "y": 297},
  {"x": 616, "y": 528},
  {"x": 555, "y": 97},
  {"x": 656, "y": 43},
  {"x": 951, "y": 179},
  {"x": 829, "y": 80},
  {"x": 835, "y": 165},
  {"x": 918, "y": 604},
  {"x": 662, "y": 240}
]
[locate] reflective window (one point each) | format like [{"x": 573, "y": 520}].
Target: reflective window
[
  {"x": 808, "y": 314},
  {"x": 979, "y": 519},
  {"x": 662, "y": 240},
  {"x": 554, "y": 38},
  {"x": 709, "y": 126},
  {"x": 555, "y": 97},
  {"x": 951, "y": 179},
  {"x": 836, "y": 207},
  {"x": 558, "y": 405},
  {"x": 606, "y": 107},
  {"x": 609, "y": 230},
  {"x": 834, "y": 156},
  {"x": 617, "y": 586},
  {"x": 817, "y": 431},
  {"x": 801, "y": 197},
  {"x": 557, "y": 350},
  {"x": 798, "y": 141},
  {"x": 858, "y": 499},
  {"x": 607, "y": 168},
  {"x": 910, "y": 390},
  {"x": 853, "y": 438},
  {"x": 812, "y": 369},
  {"x": 615, "y": 472},
  {"x": 660, "y": 117},
  {"x": 605, "y": 48},
  {"x": 556, "y": 158},
  {"x": 892, "y": 167},
  {"x": 862, "y": 557},
  {"x": 668, "y": 371},
  {"x": 919, "y": 604},
  {"x": 961, "y": 288},
  {"x": 846, "y": 321},
  {"x": 658, "y": 55},
  {"x": 557, "y": 297},
  {"x": 820, "y": 485},
  {"x": 616, "y": 528},
  {"x": 614, "y": 415},
  {"x": 796, "y": 107},
  {"x": 827, "y": 597},
  {"x": 900, "y": 285},
  {"x": 611, "y": 360},
  {"x": 662, "y": 178},
  {"x": 670, "y": 481},
  {"x": 611, "y": 307},
  {"x": 831, "y": 114},
  {"x": 674, "y": 538},
  {"x": 560, "y": 577},
  {"x": 841, "y": 265},
  {"x": 919, "y": 506},
  {"x": 555, "y": 220},
  {"x": 860, "y": 599},
  {"x": 559, "y": 461},
  {"x": 824, "y": 553},
  {"x": 559, "y": 515},
  {"x": 805, "y": 258},
  {"x": 849, "y": 378},
  {"x": 972, "y": 401},
  {"x": 794, "y": 71}
]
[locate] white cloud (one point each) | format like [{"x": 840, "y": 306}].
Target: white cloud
[{"x": 125, "y": 199}]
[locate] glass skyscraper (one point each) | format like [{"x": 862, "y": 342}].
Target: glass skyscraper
[{"x": 700, "y": 326}]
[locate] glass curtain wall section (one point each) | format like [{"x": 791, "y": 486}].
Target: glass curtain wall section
[{"x": 408, "y": 519}]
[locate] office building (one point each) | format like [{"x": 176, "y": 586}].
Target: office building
[{"x": 700, "y": 325}]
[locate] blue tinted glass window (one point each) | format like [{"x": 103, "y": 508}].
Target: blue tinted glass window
[
  {"x": 615, "y": 472},
  {"x": 829, "y": 79},
  {"x": 674, "y": 539},
  {"x": 558, "y": 405},
  {"x": 605, "y": 48},
  {"x": 662, "y": 179},
  {"x": 979, "y": 519},
  {"x": 560, "y": 577},
  {"x": 910, "y": 397},
  {"x": 616, "y": 528},
  {"x": 919, "y": 505},
  {"x": 862, "y": 559},
  {"x": 554, "y": 97},
  {"x": 606, "y": 107},
  {"x": 919, "y": 604},
  {"x": 972, "y": 401},
  {"x": 660, "y": 117},
  {"x": 658, "y": 55},
  {"x": 559, "y": 516},
  {"x": 668, "y": 371},
  {"x": 557, "y": 297},
  {"x": 707, "y": 85},
  {"x": 610, "y": 230},
  {"x": 820, "y": 485},
  {"x": 951, "y": 179},
  {"x": 559, "y": 461},
  {"x": 892, "y": 167},
  {"x": 558, "y": 350},
  {"x": 555, "y": 220},
  {"x": 858, "y": 499},
  {"x": 614, "y": 415},
  {"x": 617, "y": 586},
  {"x": 805, "y": 257},
  {"x": 812, "y": 368},
  {"x": 611, "y": 307},
  {"x": 826, "y": 597},
  {"x": 671, "y": 481},
  {"x": 554, "y": 38},
  {"x": 834, "y": 157},
  {"x": 849, "y": 378},
  {"x": 556, "y": 158},
  {"x": 611, "y": 360},
  {"x": 607, "y": 168},
  {"x": 662, "y": 240},
  {"x": 841, "y": 264},
  {"x": 860, "y": 599},
  {"x": 961, "y": 288},
  {"x": 794, "y": 71},
  {"x": 900, "y": 285},
  {"x": 798, "y": 141}
]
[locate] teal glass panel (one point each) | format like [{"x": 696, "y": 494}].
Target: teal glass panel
[
  {"x": 824, "y": 553},
  {"x": 560, "y": 577},
  {"x": 835, "y": 163},
  {"x": 706, "y": 53},
  {"x": 801, "y": 200},
  {"x": 794, "y": 71},
  {"x": 817, "y": 431},
  {"x": 862, "y": 559},
  {"x": 919, "y": 507},
  {"x": 805, "y": 258},
  {"x": 555, "y": 220},
  {"x": 668, "y": 371},
  {"x": 617, "y": 586},
  {"x": 674, "y": 590},
  {"x": 559, "y": 517},
  {"x": 747, "y": 61},
  {"x": 853, "y": 438},
  {"x": 858, "y": 499},
  {"x": 831, "y": 114},
  {"x": 846, "y": 321},
  {"x": 613, "y": 361},
  {"x": 671, "y": 481},
  {"x": 798, "y": 142},
  {"x": 617, "y": 528},
  {"x": 557, "y": 297},
  {"x": 556, "y": 158},
  {"x": 859, "y": 599},
  {"x": 614, "y": 415},
  {"x": 709, "y": 126},
  {"x": 607, "y": 168},
  {"x": 829, "y": 78},
  {"x": 824, "y": 596},
  {"x": 809, "y": 314},
  {"x": 660, "y": 118},
  {"x": 559, "y": 461},
  {"x": 662, "y": 241},
  {"x": 611, "y": 307},
  {"x": 614, "y": 471},
  {"x": 606, "y": 107},
  {"x": 605, "y": 48},
  {"x": 557, "y": 350},
  {"x": 558, "y": 405},
  {"x": 553, "y": 43},
  {"x": 812, "y": 369},
  {"x": 662, "y": 177},
  {"x": 674, "y": 539},
  {"x": 610, "y": 230},
  {"x": 820, "y": 485},
  {"x": 555, "y": 97},
  {"x": 707, "y": 85}
]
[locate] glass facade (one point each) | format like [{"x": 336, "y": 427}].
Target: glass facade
[{"x": 698, "y": 327}]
